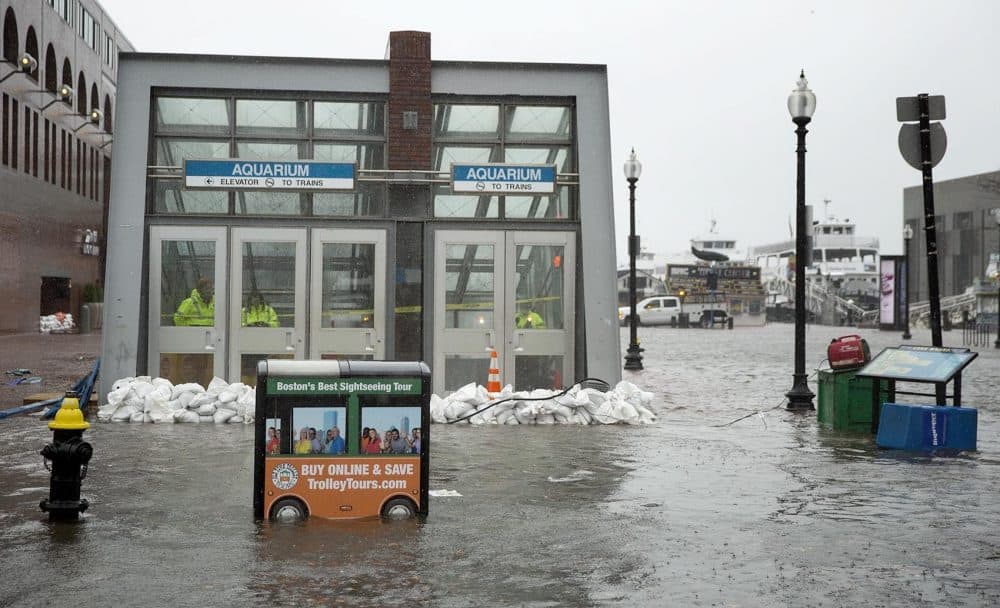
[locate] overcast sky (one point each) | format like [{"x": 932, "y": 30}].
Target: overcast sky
[{"x": 698, "y": 88}]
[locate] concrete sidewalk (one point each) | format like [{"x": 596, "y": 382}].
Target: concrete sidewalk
[{"x": 60, "y": 360}]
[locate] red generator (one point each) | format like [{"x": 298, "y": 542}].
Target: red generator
[{"x": 848, "y": 352}]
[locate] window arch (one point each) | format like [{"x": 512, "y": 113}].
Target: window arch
[
  {"x": 108, "y": 123},
  {"x": 67, "y": 77},
  {"x": 81, "y": 94},
  {"x": 10, "y": 41},
  {"x": 31, "y": 48},
  {"x": 51, "y": 70},
  {"x": 95, "y": 98}
]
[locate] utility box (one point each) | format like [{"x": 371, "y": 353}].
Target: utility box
[
  {"x": 844, "y": 400},
  {"x": 927, "y": 428}
]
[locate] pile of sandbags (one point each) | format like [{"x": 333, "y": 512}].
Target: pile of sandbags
[
  {"x": 157, "y": 400},
  {"x": 57, "y": 322},
  {"x": 624, "y": 404}
]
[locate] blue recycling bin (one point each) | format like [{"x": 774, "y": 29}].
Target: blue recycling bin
[{"x": 927, "y": 428}]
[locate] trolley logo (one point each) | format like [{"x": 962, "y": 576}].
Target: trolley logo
[{"x": 284, "y": 476}]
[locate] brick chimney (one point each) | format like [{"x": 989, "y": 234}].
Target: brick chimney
[{"x": 410, "y": 112}]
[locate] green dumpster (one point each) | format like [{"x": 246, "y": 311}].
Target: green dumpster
[{"x": 845, "y": 402}]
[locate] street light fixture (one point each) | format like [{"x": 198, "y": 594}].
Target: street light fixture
[
  {"x": 907, "y": 235},
  {"x": 633, "y": 168},
  {"x": 801, "y": 105}
]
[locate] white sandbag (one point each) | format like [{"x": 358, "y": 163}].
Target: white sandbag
[
  {"x": 186, "y": 416},
  {"x": 122, "y": 383},
  {"x": 506, "y": 415},
  {"x": 123, "y": 413},
  {"x": 138, "y": 417},
  {"x": 105, "y": 412},
  {"x": 468, "y": 393},
  {"x": 437, "y": 410},
  {"x": 525, "y": 412},
  {"x": 457, "y": 409},
  {"x": 216, "y": 386},
  {"x": 146, "y": 379},
  {"x": 201, "y": 399},
  {"x": 190, "y": 387},
  {"x": 228, "y": 396},
  {"x": 141, "y": 389},
  {"x": 184, "y": 399},
  {"x": 551, "y": 407},
  {"x": 222, "y": 416},
  {"x": 206, "y": 419},
  {"x": 206, "y": 409},
  {"x": 581, "y": 416},
  {"x": 545, "y": 419},
  {"x": 157, "y": 382},
  {"x": 117, "y": 396},
  {"x": 230, "y": 405},
  {"x": 238, "y": 419}
]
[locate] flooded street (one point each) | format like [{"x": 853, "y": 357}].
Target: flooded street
[{"x": 771, "y": 510}]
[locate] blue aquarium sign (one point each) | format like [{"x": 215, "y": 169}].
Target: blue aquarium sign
[
  {"x": 495, "y": 178},
  {"x": 267, "y": 175}
]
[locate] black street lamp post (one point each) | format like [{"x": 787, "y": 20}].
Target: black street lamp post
[
  {"x": 633, "y": 360},
  {"x": 996, "y": 217},
  {"x": 907, "y": 235},
  {"x": 801, "y": 105}
]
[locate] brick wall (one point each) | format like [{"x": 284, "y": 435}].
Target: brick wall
[{"x": 409, "y": 91}]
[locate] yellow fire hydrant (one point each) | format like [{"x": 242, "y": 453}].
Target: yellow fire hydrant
[{"x": 69, "y": 454}]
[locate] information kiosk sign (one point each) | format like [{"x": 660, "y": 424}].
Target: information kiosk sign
[
  {"x": 917, "y": 364},
  {"x": 341, "y": 439}
]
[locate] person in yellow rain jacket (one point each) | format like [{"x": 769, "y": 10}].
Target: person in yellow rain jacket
[
  {"x": 198, "y": 309},
  {"x": 527, "y": 318},
  {"x": 259, "y": 313}
]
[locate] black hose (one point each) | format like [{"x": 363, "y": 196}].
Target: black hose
[{"x": 560, "y": 394}]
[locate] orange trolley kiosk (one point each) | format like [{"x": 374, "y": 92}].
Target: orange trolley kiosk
[{"x": 341, "y": 439}]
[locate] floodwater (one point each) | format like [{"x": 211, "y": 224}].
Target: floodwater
[{"x": 770, "y": 510}]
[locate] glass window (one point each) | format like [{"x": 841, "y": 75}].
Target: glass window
[
  {"x": 268, "y": 298},
  {"x": 197, "y": 116},
  {"x": 539, "y": 123},
  {"x": 541, "y": 155},
  {"x": 554, "y": 206},
  {"x": 187, "y": 293},
  {"x": 348, "y": 285},
  {"x": 269, "y": 203},
  {"x": 469, "y": 284},
  {"x": 540, "y": 287},
  {"x": 348, "y": 119},
  {"x": 478, "y": 121},
  {"x": 270, "y": 117}
]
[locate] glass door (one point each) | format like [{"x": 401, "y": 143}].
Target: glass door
[
  {"x": 187, "y": 330},
  {"x": 512, "y": 292},
  {"x": 540, "y": 286},
  {"x": 468, "y": 306},
  {"x": 267, "y": 310},
  {"x": 348, "y": 303}
]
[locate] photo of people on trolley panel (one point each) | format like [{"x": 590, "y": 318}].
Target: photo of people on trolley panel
[
  {"x": 272, "y": 437},
  {"x": 390, "y": 430},
  {"x": 319, "y": 430}
]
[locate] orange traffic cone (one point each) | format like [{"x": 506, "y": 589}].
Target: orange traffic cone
[{"x": 493, "y": 382}]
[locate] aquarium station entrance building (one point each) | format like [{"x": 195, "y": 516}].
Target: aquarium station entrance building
[{"x": 398, "y": 209}]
